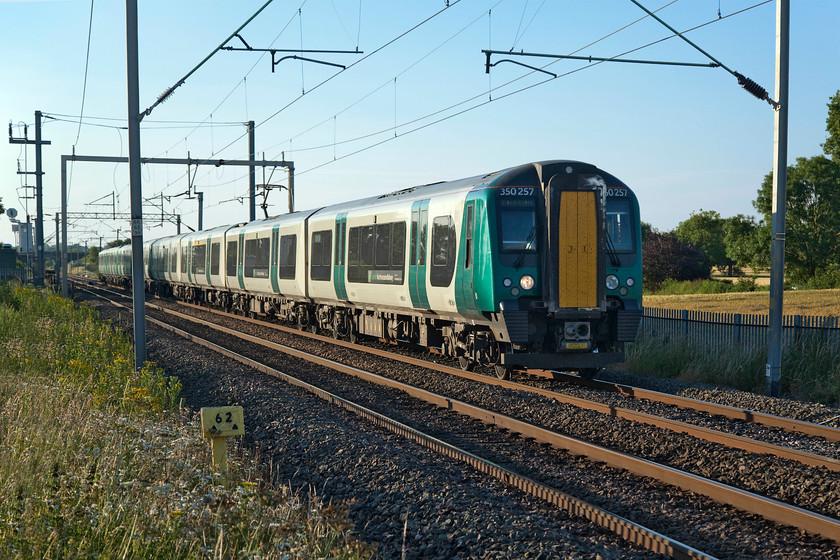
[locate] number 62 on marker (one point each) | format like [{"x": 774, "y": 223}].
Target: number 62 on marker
[{"x": 223, "y": 421}]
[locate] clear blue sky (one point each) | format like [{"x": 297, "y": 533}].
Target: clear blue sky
[{"x": 684, "y": 138}]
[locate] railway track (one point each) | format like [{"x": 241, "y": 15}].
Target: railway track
[
  {"x": 706, "y": 434},
  {"x": 787, "y": 424},
  {"x": 769, "y": 508}
]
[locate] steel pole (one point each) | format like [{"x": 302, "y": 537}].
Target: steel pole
[
  {"x": 57, "y": 268},
  {"x": 200, "y": 196},
  {"x": 777, "y": 247},
  {"x": 291, "y": 189},
  {"x": 39, "y": 204},
  {"x": 65, "y": 289},
  {"x": 252, "y": 175},
  {"x": 135, "y": 176}
]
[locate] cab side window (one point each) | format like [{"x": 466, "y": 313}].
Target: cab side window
[{"x": 442, "y": 251}]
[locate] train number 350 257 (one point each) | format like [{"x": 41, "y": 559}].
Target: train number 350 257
[{"x": 516, "y": 191}]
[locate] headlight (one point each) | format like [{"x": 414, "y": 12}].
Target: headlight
[
  {"x": 526, "y": 282},
  {"x": 630, "y": 282},
  {"x": 612, "y": 282}
]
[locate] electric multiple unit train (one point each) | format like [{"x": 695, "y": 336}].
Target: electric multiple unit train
[{"x": 536, "y": 266}]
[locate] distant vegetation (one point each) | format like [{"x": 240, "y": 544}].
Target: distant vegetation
[
  {"x": 708, "y": 286},
  {"x": 99, "y": 463},
  {"x": 706, "y": 240}
]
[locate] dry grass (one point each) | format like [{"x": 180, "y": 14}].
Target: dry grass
[
  {"x": 796, "y": 302},
  {"x": 96, "y": 464}
]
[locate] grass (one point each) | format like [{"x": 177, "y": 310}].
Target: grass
[
  {"x": 810, "y": 369},
  {"x": 98, "y": 462}
]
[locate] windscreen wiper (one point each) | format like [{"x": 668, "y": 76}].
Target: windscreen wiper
[{"x": 525, "y": 251}]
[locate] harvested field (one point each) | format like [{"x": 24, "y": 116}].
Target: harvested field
[{"x": 796, "y": 302}]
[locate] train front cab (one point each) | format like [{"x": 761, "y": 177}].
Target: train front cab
[{"x": 554, "y": 256}]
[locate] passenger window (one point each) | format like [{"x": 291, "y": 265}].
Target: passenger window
[
  {"x": 230, "y": 258},
  {"x": 215, "y": 249},
  {"x": 321, "y": 255},
  {"x": 257, "y": 253},
  {"x": 199, "y": 259},
  {"x": 398, "y": 245},
  {"x": 376, "y": 254},
  {"x": 288, "y": 253}
]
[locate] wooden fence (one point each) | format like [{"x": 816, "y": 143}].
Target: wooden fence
[{"x": 716, "y": 330}]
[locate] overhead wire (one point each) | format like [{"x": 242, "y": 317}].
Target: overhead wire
[
  {"x": 84, "y": 83},
  {"x": 168, "y": 93},
  {"x": 407, "y": 123},
  {"x": 375, "y": 51},
  {"x": 530, "y": 21},
  {"x": 242, "y": 82},
  {"x": 520, "y": 90},
  {"x": 383, "y": 85},
  {"x": 84, "y": 93}
]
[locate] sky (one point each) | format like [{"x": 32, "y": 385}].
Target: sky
[{"x": 414, "y": 104}]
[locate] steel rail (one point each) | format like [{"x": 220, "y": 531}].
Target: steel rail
[
  {"x": 706, "y": 434},
  {"x": 770, "y": 420},
  {"x": 624, "y": 528},
  {"x": 768, "y": 508}
]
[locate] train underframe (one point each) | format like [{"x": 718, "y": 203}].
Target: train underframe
[{"x": 572, "y": 340}]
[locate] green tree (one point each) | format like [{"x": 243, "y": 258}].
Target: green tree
[
  {"x": 2, "y": 210},
  {"x": 704, "y": 230},
  {"x": 92, "y": 259},
  {"x": 832, "y": 126},
  {"x": 747, "y": 242},
  {"x": 812, "y": 225}
]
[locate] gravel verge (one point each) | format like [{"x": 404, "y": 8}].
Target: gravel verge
[
  {"x": 400, "y": 496},
  {"x": 690, "y": 516}
]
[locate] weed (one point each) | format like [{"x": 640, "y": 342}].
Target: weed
[{"x": 98, "y": 462}]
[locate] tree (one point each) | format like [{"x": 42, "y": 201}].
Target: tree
[
  {"x": 665, "y": 256},
  {"x": 832, "y": 126},
  {"x": 704, "y": 230},
  {"x": 646, "y": 230},
  {"x": 2, "y": 210},
  {"x": 812, "y": 225},
  {"x": 747, "y": 242}
]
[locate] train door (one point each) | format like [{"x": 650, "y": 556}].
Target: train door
[
  {"x": 240, "y": 261},
  {"x": 208, "y": 259},
  {"x": 417, "y": 254},
  {"x": 187, "y": 257},
  {"x": 464, "y": 288},
  {"x": 339, "y": 261},
  {"x": 274, "y": 269},
  {"x": 574, "y": 209}
]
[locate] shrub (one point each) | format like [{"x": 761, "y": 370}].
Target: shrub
[{"x": 666, "y": 257}]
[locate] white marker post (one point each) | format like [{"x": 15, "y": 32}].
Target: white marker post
[{"x": 217, "y": 424}]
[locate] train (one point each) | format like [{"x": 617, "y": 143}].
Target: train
[{"x": 537, "y": 266}]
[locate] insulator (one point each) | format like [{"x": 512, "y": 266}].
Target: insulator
[{"x": 752, "y": 87}]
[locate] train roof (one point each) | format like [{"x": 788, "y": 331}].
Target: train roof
[{"x": 528, "y": 174}]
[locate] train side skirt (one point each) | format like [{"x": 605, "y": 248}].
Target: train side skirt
[{"x": 562, "y": 361}]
